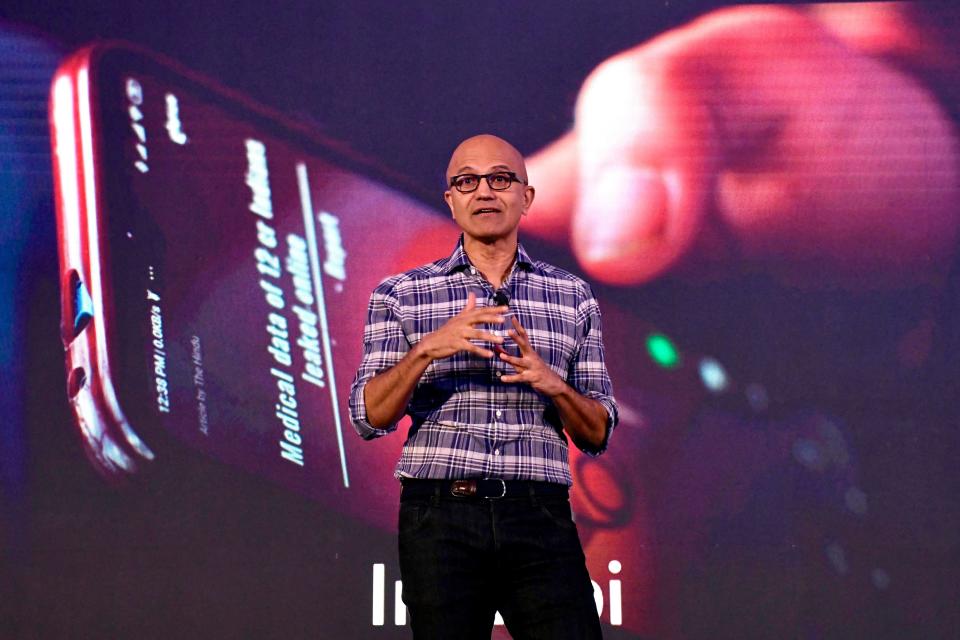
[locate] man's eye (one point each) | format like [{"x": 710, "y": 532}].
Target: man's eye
[
  {"x": 500, "y": 179},
  {"x": 467, "y": 181}
]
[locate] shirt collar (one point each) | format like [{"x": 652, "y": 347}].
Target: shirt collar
[{"x": 458, "y": 260}]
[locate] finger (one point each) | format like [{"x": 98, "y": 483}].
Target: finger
[
  {"x": 499, "y": 349},
  {"x": 554, "y": 172},
  {"x": 491, "y": 310},
  {"x": 722, "y": 102},
  {"x": 513, "y": 360},
  {"x": 645, "y": 183},
  {"x": 640, "y": 167},
  {"x": 887, "y": 29},
  {"x": 480, "y": 351},
  {"x": 526, "y": 351},
  {"x": 471, "y": 303},
  {"x": 522, "y": 344},
  {"x": 484, "y": 318},
  {"x": 519, "y": 335},
  {"x": 486, "y": 336},
  {"x": 514, "y": 377}
]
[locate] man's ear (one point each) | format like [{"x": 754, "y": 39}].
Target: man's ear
[
  {"x": 448, "y": 198},
  {"x": 528, "y": 194}
]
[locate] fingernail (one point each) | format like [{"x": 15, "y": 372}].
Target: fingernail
[{"x": 622, "y": 210}]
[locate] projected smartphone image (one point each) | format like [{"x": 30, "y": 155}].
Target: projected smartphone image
[
  {"x": 216, "y": 264},
  {"x": 784, "y": 454}
]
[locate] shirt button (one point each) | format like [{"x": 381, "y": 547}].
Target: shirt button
[
  {"x": 498, "y": 374},
  {"x": 499, "y": 413},
  {"x": 496, "y": 452},
  {"x": 473, "y": 270}
]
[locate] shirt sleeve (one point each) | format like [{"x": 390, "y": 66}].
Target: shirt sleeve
[
  {"x": 588, "y": 371},
  {"x": 384, "y": 345}
]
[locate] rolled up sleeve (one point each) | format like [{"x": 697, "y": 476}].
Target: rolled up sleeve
[
  {"x": 588, "y": 371},
  {"x": 384, "y": 345}
]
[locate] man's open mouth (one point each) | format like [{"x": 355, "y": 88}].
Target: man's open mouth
[{"x": 486, "y": 210}]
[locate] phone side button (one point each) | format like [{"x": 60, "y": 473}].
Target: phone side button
[
  {"x": 75, "y": 381},
  {"x": 82, "y": 311}
]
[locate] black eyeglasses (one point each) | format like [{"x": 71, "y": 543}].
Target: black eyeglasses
[{"x": 498, "y": 181}]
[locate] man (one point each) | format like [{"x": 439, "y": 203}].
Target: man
[{"x": 485, "y": 520}]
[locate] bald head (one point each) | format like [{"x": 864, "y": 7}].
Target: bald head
[
  {"x": 488, "y": 150},
  {"x": 486, "y": 214}
]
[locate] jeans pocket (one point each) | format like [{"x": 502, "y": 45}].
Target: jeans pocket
[
  {"x": 558, "y": 511},
  {"x": 414, "y": 515}
]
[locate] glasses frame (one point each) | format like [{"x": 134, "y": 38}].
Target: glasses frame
[{"x": 486, "y": 176}]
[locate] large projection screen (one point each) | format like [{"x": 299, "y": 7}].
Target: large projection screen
[{"x": 763, "y": 197}]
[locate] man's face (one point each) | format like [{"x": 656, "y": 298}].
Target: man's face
[{"x": 485, "y": 214}]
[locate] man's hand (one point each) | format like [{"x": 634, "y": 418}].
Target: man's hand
[
  {"x": 530, "y": 367},
  {"x": 455, "y": 335},
  {"x": 583, "y": 418},
  {"x": 387, "y": 394}
]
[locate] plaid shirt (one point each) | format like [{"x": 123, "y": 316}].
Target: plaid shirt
[{"x": 466, "y": 423}]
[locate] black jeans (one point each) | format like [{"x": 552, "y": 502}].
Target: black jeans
[{"x": 463, "y": 559}]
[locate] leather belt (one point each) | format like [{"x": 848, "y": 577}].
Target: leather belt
[{"x": 487, "y": 488}]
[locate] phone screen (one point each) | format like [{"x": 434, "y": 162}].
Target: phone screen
[{"x": 239, "y": 256}]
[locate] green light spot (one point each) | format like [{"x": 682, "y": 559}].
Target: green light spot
[{"x": 662, "y": 350}]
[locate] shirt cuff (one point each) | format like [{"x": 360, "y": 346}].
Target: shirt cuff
[
  {"x": 358, "y": 416},
  {"x": 612, "y": 419}
]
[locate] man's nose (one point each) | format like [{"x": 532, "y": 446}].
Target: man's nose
[{"x": 484, "y": 190}]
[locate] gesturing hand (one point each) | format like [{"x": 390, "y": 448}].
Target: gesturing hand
[
  {"x": 530, "y": 366},
  {"x": 455, "y": 335}
]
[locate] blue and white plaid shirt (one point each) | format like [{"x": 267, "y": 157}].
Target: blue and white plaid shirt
[{"x": 466, "y": 423}]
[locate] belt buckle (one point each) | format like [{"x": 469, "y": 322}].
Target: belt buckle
[
  {"x": 463, "y": 488},
  {"x": 503, "y": 489}
]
